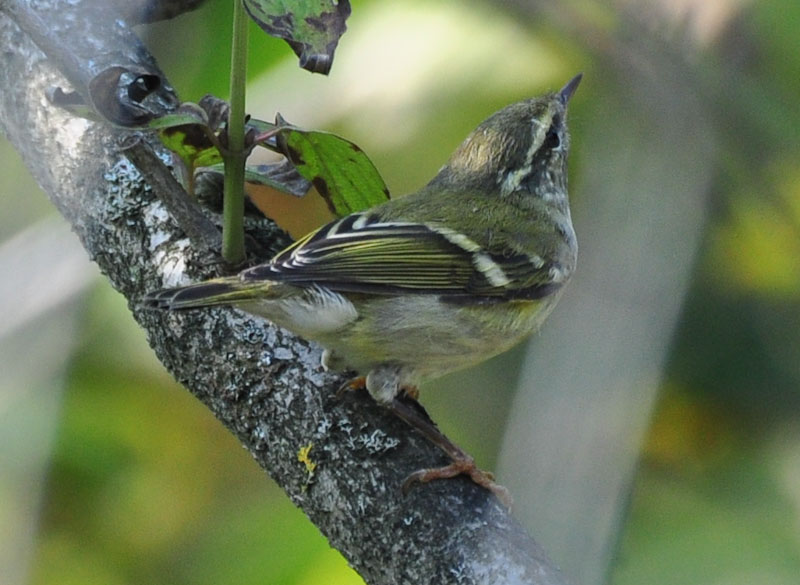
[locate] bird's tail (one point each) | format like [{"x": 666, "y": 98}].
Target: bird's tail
[{"x": 220, "y": 291}]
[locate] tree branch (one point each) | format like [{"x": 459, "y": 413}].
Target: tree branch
[{"x": 264, "y": 384}]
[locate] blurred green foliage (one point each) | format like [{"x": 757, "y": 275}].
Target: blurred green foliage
[{"x": 133, "y": 497}]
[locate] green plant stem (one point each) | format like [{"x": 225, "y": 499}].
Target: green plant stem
[{"x": 233, "y": 206}]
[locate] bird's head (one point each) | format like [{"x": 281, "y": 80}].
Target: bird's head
[{"x": 521, "y": 149}]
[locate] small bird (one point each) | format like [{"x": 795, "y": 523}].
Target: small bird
[{"x": 435, "y": 281}]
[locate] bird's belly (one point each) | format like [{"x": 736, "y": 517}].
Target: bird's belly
[
  {"x": 312, "y": 313},
  {"x": 428, "y": 338}
]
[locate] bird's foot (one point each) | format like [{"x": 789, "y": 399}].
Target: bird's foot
[
  {"x": 465, "y": 466},
  {"x": 357, "y": 383},
  {"x": 405, "y": 406},
  {"x": 411, "y": 392},
  {"x": 360, "y": 383},
  {"x": 462, "y": 464}
]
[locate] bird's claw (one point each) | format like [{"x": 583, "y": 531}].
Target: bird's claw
[{"x": 466, "y": 467}]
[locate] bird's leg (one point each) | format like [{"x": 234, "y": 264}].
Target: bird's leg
[
  {"x": 360, "y": 383},
  {"x": 409, "y": 410},
  {"x": 357, "y": 383},
  {"x": 412, "y": 392},
  {"x": 405, "y": 406}
]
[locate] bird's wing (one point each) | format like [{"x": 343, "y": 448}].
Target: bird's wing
[{"x": 361, "y": 253}]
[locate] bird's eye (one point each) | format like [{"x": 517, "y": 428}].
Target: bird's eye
[{"x": 552, "y": 139}]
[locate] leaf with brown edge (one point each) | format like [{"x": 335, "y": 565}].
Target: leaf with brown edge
[
  {"x": 281, "y": 176},
  {"x": 341, "y": 172},
  {"x": 312, "y": 28}
]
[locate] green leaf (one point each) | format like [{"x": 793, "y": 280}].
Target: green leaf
[
  {"x": 192, "y": 145},
  {"x": 341, "y": 172},
  {"x": 312, "y": 28},
  {"x": 187, "y": 133},
  {"x": 281, "y": 176},
  {"x": 261, "y": 126},
  {"x": 179, "y": 118}
]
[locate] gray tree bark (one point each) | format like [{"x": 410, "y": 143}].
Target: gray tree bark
[{"x": 262, "y": 383}]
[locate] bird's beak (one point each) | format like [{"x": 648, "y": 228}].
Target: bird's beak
[{"x": 567, "y": 91}]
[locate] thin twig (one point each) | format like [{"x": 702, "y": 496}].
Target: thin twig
[{"x": 185, "y": 211}]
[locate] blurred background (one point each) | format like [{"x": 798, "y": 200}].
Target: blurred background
[{"x": 650, "y": 433}]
